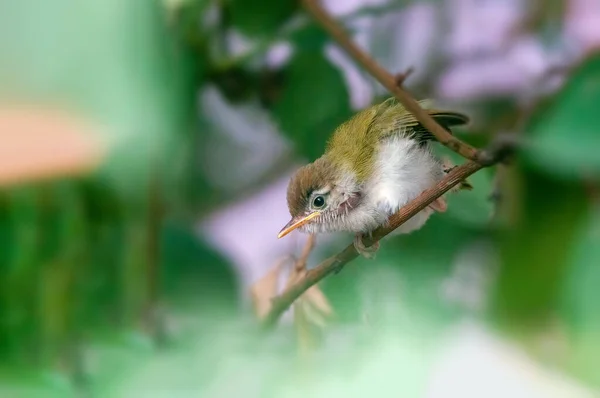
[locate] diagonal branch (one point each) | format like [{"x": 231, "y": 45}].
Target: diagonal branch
[
  {"x": 497, "y": 152},
  {"x": 391, "y": 83}
]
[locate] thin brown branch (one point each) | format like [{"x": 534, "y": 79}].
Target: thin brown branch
[
  {"x": 390, "y": 82},
  {"x": 498, "y": 152},
  {"x": 308, "y": 247},
  {"x": 400, "y": 78}
]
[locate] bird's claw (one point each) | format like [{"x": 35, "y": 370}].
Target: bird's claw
[{"x": 367, "y": 252}]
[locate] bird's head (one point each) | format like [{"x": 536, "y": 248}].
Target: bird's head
[{"x": 318, "y": 194}]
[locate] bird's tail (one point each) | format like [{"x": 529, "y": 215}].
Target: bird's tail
[{"x": 445, "y": 118}]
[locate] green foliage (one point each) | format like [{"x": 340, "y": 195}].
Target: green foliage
[
  {"x": 579, "y": 299},
  {"x": 535, "y": 253},
  {"x": 260, "y": 17},
  {"x": 564, "y": 134},
  {"x": 475, "y": 207},
  {"x": 309, "y": 38},
  {"x": 549, "y": 255},
  {"x": 193, "y": 271},
  {"x": 313, "y": 102},
  {"x": 580, "y": 292}
]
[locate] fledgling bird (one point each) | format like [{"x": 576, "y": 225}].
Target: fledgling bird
[{"x": 374, "y": 164}]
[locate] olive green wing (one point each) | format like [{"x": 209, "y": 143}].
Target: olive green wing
[{"x": 392, "y": 118}]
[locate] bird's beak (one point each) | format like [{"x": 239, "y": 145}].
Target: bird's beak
[{"x": 296, "y": 223}]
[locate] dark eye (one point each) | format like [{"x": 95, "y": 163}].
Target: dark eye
[{"x": 319, "y": 202}]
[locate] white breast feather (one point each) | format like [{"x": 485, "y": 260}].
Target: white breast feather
[{"x": 404, "y": 171}]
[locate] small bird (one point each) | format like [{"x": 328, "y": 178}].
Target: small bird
[{"x": 374, "y": 164}]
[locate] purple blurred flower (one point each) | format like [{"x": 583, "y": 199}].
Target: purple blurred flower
[{"x": 582, "y": 24}]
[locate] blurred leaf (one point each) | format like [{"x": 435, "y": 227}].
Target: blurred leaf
[
  {"x": 23, "y": 221},
  {"x": 310, "y": 38},
  {"x": 564, "y": 133},
  {"x": 580, "y": 298},
  {"x": 175, "y": 6},
  {"x": 40, "y": 143},
  {"x": 535, "y": 252},
  {"x": 261, "y": 17},
  {"x": 313, "y": 102},
  {"x": 581, "y": 293},
  {"x": 472, "y": 207},
  {"x": 317, "y": 299},
  {"x": 193, "y": 273},
  {"x": 312, "y": 310},
  {"x": 65, "y": 258},
  {"x": 263, "y": 290},
  {"x": 305, "y": 330}
]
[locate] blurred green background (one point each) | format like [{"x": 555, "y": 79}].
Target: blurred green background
[{"x": 127, "y": 273}]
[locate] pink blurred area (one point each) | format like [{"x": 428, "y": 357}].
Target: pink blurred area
[
  {"x": 246, "y": 232},
  {"x": 42, "y": 142}
]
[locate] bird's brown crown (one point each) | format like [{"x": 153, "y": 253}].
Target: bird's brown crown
[{"x": 307, "y": 179}]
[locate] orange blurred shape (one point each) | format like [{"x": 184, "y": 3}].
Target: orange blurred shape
[{"x": 40, "y": 143}]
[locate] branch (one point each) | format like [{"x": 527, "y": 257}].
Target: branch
[
  {"x": 300, "y": 264},
  {"x": 497, "y": 152},
  {"x": 390, "y": 82}
]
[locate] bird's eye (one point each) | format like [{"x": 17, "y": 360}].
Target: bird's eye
[{"x": 318, "y": 202}]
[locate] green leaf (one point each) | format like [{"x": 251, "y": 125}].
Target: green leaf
[
  {"x": 565, "y": 134},
  {"x": 310, "y": 38},
  {"x": 313, "y": 103},
  {"x": 581, "y": 288},
  {"x": 580, "y": 298},
  {"x": 261, "y": 17},
  {"x": 193, "y": 273},
  {"x": 535, "y": 252}
]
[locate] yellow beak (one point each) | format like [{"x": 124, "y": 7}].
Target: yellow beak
[{"x": 296, "y": 223}]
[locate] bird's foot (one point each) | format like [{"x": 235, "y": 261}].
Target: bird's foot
[
  {"x": 367, "y": 252},
  {"x": 439, "y": 205}
]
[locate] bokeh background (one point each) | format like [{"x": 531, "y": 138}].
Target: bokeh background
[{"x": 145, "y": 150}]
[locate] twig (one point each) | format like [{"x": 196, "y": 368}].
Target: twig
[
  {"x": 401, "y": 77},
  {"x": 390, "y": 82},
  {"x": 299, "y": 269},
  {"x": 496, "y": 153},
  {"x": 308, "y": 247}
]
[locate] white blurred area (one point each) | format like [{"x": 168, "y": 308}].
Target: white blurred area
[
  {"x": 475, "y": 363},
  {"x": 486, "y": 54},
  {"x": 471, "y": 362}
]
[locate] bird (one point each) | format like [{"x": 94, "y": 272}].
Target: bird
[{"x": 373, "y": 164}]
